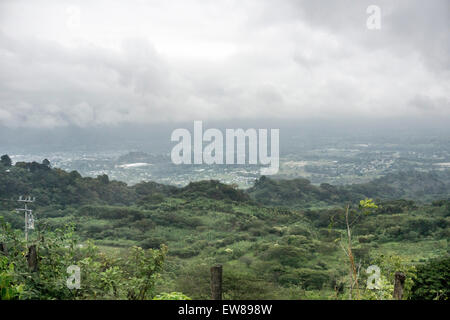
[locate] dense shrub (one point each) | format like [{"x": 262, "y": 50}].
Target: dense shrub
[{"x": 433, "y": 280}]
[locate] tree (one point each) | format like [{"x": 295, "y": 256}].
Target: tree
[
  {"x": 46, "y": 163},
  {"x": 6, "y": 160},
  {"x": 104, "y": 179},
  {"x": 432, "y": 280}
]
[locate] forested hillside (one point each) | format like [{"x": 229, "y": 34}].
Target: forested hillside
[
  {"x": 55, "y": 186},
  {"x": 281, "y": 239},
  {"x": 413, "y": 185}
]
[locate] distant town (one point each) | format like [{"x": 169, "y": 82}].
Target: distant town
[{"x": 335, "y": 162}]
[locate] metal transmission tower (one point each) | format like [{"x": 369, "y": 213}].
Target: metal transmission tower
[{"x": 29, "y": 219}]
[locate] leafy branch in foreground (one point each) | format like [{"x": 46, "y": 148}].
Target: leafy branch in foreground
[{"x": 130, "y": 276}]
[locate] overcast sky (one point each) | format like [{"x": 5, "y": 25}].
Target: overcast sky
[{"x": 89, "y": 63}]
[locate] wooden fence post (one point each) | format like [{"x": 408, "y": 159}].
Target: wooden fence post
[
  {"x": 216, "y": 282},
  {"x": 3, "y": 248},
  {"x": 32, "y": 258},
  {"x": 398, "y": 285}
]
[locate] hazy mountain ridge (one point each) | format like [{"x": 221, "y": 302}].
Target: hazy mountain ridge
[
  {"x": 56, "y": 186},
  {"x": 418, "y": 186}
]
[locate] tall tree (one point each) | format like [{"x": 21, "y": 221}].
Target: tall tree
[
  {"x": 6, "y": 160},
  {"x": 46, "y": 163}
]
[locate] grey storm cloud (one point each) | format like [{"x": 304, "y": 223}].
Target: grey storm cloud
[{"x": 89, "y": 63}]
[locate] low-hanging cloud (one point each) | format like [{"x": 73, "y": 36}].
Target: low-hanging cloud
[{"x": 111, "y": 62}]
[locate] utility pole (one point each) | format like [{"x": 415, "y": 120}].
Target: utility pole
[{"x": 29, "y": 219}]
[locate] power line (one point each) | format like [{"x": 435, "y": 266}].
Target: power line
[{"x": 28, "y": 213}]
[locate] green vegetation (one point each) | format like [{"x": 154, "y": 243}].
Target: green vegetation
[
  {"x": 432, "y": 280},
  {"x": 128, "y": 276},
  {"x": 278, "y": 240},
  {"x": 300, "y": 193}
]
